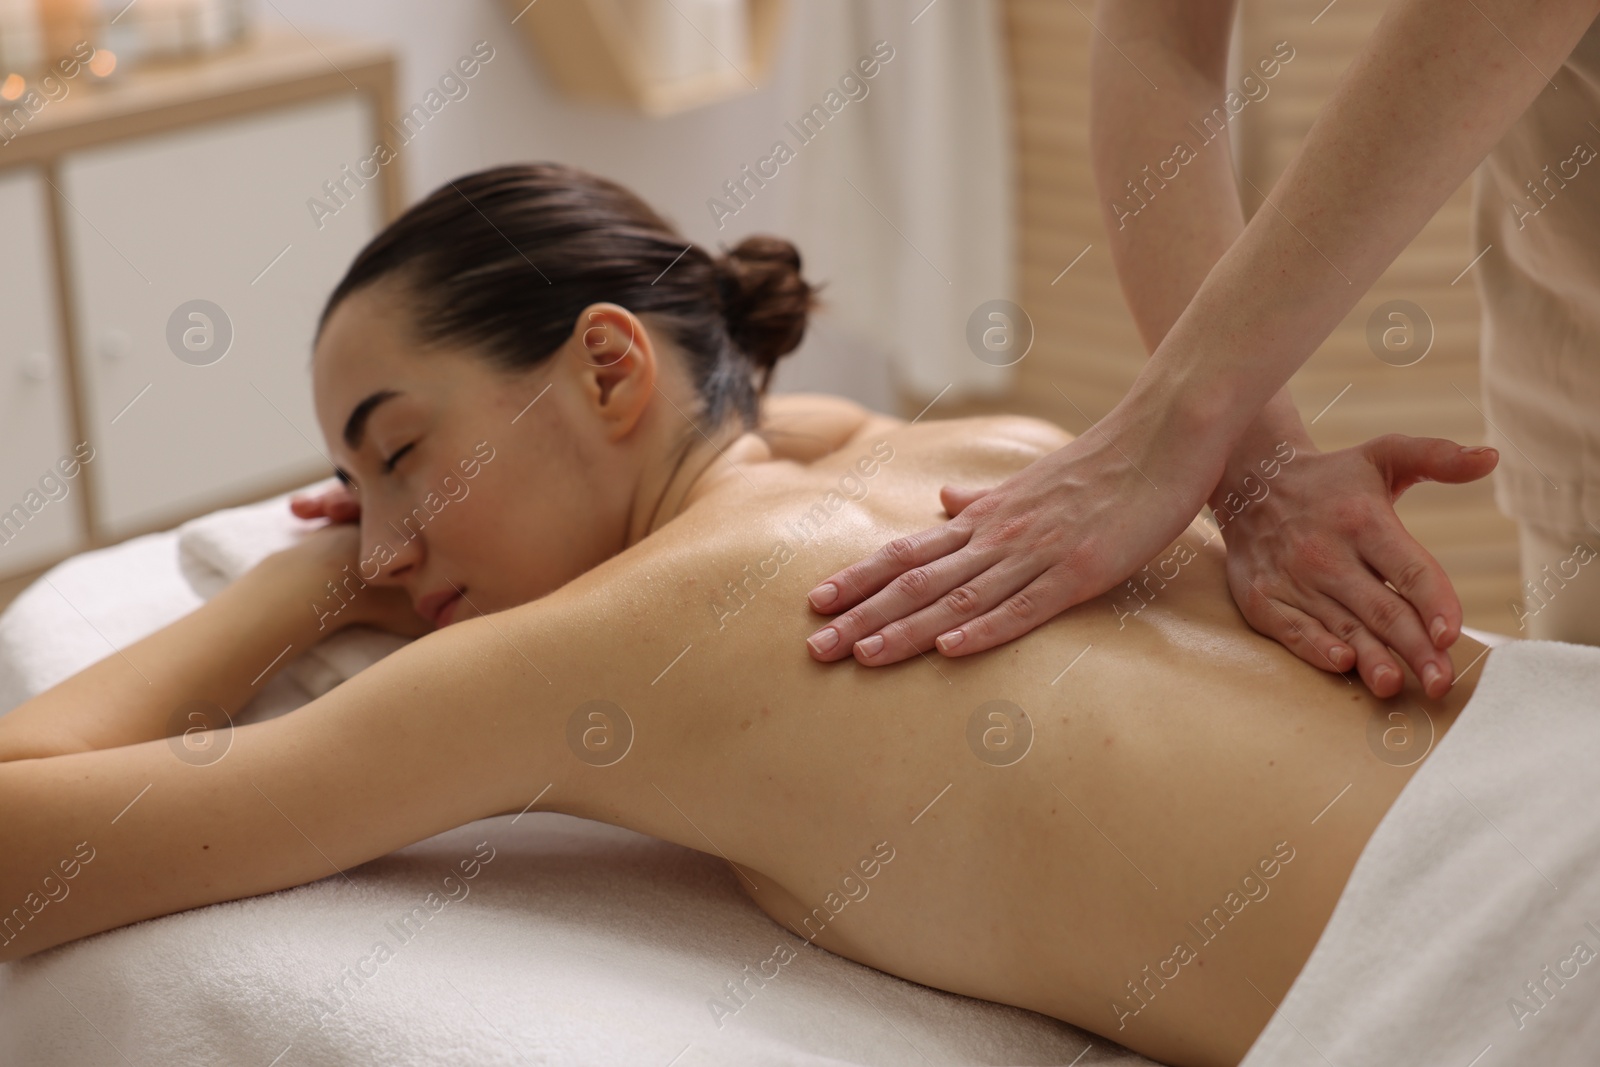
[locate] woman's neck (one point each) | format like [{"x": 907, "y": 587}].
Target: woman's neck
[{"x": 694, "y": 470}]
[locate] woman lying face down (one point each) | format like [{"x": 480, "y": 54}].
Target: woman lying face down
[
  {"x": 552, "y": 321},
  {"x": 569, "y": 483}
]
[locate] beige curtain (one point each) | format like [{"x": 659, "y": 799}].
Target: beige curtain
[{"x": 904, "y": 195}]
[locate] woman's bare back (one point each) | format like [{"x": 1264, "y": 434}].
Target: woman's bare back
[
  {"x": 1045, "y": 824},
  {"x": 1136, "y": 818}
]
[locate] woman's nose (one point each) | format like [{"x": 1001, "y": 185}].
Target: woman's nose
[{"x": 395, "y": 550}]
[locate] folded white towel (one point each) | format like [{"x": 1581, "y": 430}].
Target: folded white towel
[{"x": 215, "y": 549}]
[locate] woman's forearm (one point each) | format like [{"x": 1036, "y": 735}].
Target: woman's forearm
[
  {"x": 1432, "y": 91},
  {"x": 220, "y": 654}
]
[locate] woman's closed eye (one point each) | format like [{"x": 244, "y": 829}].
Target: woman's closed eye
[{"x": 388, "y": 464}]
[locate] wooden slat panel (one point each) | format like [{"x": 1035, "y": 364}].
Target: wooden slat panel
[{"x": 1085, "y": 342}]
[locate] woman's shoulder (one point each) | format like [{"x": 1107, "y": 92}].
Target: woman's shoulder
[
  {"x": 1022, "y": 430},
  {"x": 807, "y": 427}
]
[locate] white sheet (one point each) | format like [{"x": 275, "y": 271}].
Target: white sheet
[
  {"x": 577, "y": 943},
  {"x": 1485, "y": 872}
]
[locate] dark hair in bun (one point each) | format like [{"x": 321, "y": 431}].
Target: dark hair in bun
[
  {"x": 764, "y": 299},
  {"x": 505, "y": 259}
]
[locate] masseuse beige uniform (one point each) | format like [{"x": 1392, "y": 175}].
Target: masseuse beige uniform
[{"x": 1540, "y": 292}]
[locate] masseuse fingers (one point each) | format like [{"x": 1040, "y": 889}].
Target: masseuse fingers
[
  {"x": 1392, "y": 618},
  {"x": 1297, "y": 631},
  {"x": 912, "y": 631},
  {"x": 955, "y": 498},
  {"x": 906, "y": 574},
  {"x": 1405, "y": 461},
  {"x": 1373, "y": 660},
  {"x": 988, "y": 584},
  {"x": 1436, "y": 611},
  {"x": 1019, "y": 612}
]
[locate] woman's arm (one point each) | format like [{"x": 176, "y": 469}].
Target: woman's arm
[
  {"x": 212, "y": 660},
  {"x": 467, "y": 722},
  {"x": 424, "y": 740}
]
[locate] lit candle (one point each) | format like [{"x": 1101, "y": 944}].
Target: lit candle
[{"x": 63, "y": 25}]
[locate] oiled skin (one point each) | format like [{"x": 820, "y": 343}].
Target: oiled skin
[
  {"x": 1167, "y": 764},
  {"x": 1177, "y": 753}
]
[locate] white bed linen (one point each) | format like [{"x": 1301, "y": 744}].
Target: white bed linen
[{"x": 1469, "y": 931}]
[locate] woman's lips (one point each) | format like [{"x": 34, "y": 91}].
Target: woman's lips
[{"x": 447, "y": 612}]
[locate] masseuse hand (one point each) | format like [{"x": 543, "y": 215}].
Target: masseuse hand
[
  {"x": 1310, "y": 548},
  {"x": 1067, "y": 527}
]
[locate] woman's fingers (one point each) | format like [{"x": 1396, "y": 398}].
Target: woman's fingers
[
  {"x": 881, "y": 628},
  {"x": 336, "y": 503}
]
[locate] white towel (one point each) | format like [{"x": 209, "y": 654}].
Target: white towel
[
  {"x": 215, "y": 549},
  {"x": 1483, "y": 874}
]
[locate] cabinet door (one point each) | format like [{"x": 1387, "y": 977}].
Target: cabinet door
[
  {"x": 40, "y": 520},
  {"x": 199, "y": 269}
]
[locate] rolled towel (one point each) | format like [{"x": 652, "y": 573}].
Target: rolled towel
[{"x": 215, "y": 549}]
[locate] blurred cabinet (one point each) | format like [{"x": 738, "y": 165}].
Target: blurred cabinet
[
  {"x": 39, "y": 521},
  {"x": 222, "y": 218},
  {"x": 170, "y": 242}
]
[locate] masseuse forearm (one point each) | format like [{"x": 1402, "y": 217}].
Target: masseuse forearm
[
  {"x": 1167, "y": 70},
  {"x": 1434, "y": 88},
  {"x": 1166, "y": 223},
  {"x": 219, "y": 654}
]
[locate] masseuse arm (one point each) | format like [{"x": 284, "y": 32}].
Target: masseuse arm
[
  {"x": 1432, "y": 90},
  {"x": 1311, "y": 541}
]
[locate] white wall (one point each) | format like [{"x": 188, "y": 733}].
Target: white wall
[{"x": 675, "y": 163}]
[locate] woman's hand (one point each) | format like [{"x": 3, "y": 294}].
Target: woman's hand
[
  {"x": 1310, "y": 550},
  {"x": 331, "y": 555},
  {"x": 1062, "y": 530},
  {"x": 336, "y": 502}
]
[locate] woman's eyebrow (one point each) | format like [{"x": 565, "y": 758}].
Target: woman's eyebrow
[{"x": 356, "y": 425}]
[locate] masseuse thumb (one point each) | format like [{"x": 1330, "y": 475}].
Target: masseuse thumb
[
  {"x": 1406, "y": 461},
  {"x": 955, "y": 498}
]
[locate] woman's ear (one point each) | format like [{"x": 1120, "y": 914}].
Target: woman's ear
[{"x": 615, "y": 360}]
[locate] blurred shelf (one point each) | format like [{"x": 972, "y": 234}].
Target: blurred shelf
[{"x": 594, "y": 50}]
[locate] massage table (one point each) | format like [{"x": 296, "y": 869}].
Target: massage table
[{"x": 1468, "y": 933}]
